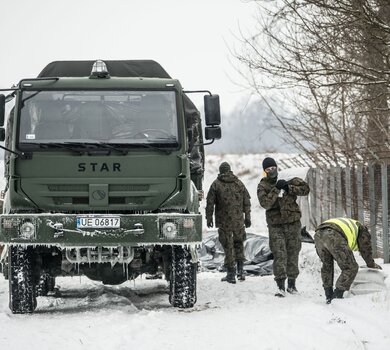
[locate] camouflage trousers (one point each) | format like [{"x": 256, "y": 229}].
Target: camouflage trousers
[
  {"x": 232, "y": 241},
  {"x": 285, "y": 243},
  {"x": 330, "y": 246}
]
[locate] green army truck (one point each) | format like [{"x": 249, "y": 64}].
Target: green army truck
[{"x": 104, "y": 166}]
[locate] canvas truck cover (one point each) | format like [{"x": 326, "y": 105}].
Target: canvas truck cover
[{"x": 133, "y": 68}]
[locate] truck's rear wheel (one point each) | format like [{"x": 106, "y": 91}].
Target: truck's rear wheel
[
  {"x": 182, "y": 279},
  {"x": 45, "y": 285},
  {"x": 22, "y": 297},
  {"x": 51, "y": 283}
]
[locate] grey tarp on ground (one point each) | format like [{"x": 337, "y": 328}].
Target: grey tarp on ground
[{"x": 257, "y": 253}]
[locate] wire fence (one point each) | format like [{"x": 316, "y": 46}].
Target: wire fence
[{"x": 361, "y": 193}]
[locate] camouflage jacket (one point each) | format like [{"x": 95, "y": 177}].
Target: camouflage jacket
[
  {"x": 231, "y": 200},
  {"x": 285, "y": 209},
  {"x": 363, "y": 240}
]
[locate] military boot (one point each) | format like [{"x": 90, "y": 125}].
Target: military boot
[
  {"x": 281, "y": 291},
  {"x": 338, "y": 293},
  {"x": 240, "y": 271},
  {"x": 291, "y": 286},
  {"x": 328, "y": 294},
  {"x": 230, "y": 275}
]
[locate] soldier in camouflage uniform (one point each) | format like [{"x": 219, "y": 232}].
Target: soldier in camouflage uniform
[
  {"x": 232, "y": 201},
  {"x": 279, "y": 198},
  {"x": 335, "y": 239}
]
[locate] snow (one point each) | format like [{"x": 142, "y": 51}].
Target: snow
[
  {"x": 137, "y": 315},
  {"x": 246, "y": 315}
]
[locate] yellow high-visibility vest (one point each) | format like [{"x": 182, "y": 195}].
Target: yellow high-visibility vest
[{"x": 349, "y": 228}]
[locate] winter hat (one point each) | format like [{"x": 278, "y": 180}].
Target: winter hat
[
  {"x": 224, "y": 168},
  {"x": 268, "y": 162}
]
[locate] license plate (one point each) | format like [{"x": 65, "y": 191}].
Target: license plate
[{"x": 98, "y": 222}]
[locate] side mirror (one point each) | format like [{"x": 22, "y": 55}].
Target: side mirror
[
  {"x": 2, "y": 134},
  {"x": 212, "y": 132},
  {"x": 2, "y": 109},
  {"x": 212, "y": 110}
]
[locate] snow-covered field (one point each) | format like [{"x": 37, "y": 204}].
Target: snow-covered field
[{"x": 137, "y": 315}]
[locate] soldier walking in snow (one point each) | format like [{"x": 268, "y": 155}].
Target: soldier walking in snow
[
  {"x": 336, "y": 239},
  {"x": 232, "y": 214},
  {"x": 283, "y": 216}
]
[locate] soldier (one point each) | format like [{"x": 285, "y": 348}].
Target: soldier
[
  {"x": 283, "y": 216},
  {"x": 231, "y": 200},
  {"x": 335, "y": 239}
]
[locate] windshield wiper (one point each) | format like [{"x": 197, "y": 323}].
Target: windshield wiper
[
  {"x": 124, "y": 151},
  {"x": 120, "y": 147},
  {"x": 53, "y": 144},
  {"x": 83, "y": 147},
  {"x": 147, "y": 145},
  {"x": 65, "y": 145}
]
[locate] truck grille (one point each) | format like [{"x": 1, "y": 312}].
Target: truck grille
[
  {"x": 78, "y": 194},
  {"x": 68, "y": 188},
  {"x": 129, "y": 187}
]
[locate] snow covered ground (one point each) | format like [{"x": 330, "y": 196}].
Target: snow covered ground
[{"x": 137, "y": 315}]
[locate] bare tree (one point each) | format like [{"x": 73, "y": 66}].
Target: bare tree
[{"x": 329, "y": 61}]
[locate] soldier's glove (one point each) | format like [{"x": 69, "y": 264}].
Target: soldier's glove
[
  {"x": 210, "y": 223},
  {"x": 375, "y": 266},
  {"x": 282, "y": 185},
  {"x": 248, "y": 222}
]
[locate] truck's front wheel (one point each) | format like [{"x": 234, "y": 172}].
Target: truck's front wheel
[
  {"x": 183, "y": 278},
  {"x": 22, "y": 297}
]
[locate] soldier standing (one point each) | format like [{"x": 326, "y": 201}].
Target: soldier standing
[
  {"x": 232, "y": 201},
  {"x": 336, "y": 239},
  {"x": 279, "y": 198}
]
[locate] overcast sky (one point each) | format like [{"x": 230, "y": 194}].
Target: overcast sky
[{"x": 189, "y": 38}]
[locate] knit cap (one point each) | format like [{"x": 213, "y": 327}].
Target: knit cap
[
  {"x": 268, "y": 162},
  {"x": 224, "y": 168}
]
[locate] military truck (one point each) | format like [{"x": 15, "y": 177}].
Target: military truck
[{"x": 104, "y": 166}]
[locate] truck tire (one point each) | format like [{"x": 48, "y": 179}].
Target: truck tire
[
  {"x": 45, "y": 285},
  {"x": 22, "y": 297},
  {"x": 182, "y": 281},
  {"x": 51, "y": 283}
]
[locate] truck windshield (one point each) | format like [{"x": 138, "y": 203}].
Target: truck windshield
[{"x": 112, "y": 117}]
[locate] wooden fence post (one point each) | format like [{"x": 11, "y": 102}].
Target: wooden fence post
[
  {"x": 359, "y": 184},
  {"x": 317, "y": 197},
  {"x": 325, "y": 196},
  {"x": 371, "y": 195},
  {"x": 385, "y": 218},
  {"x": 348, "y": 192},
  {"x": 339, "y": 200}
]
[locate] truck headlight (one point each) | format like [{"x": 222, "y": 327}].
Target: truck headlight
[
  {"x": 169, "y": 230},
  {"x": 27, "y": 230}
]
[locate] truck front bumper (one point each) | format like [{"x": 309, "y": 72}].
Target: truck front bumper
[{"x": 73, "y": 230}]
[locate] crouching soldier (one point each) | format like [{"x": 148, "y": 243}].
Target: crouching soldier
[
  {"x": 232, "y": 214},
  {"x": 336, "y": 239}
]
